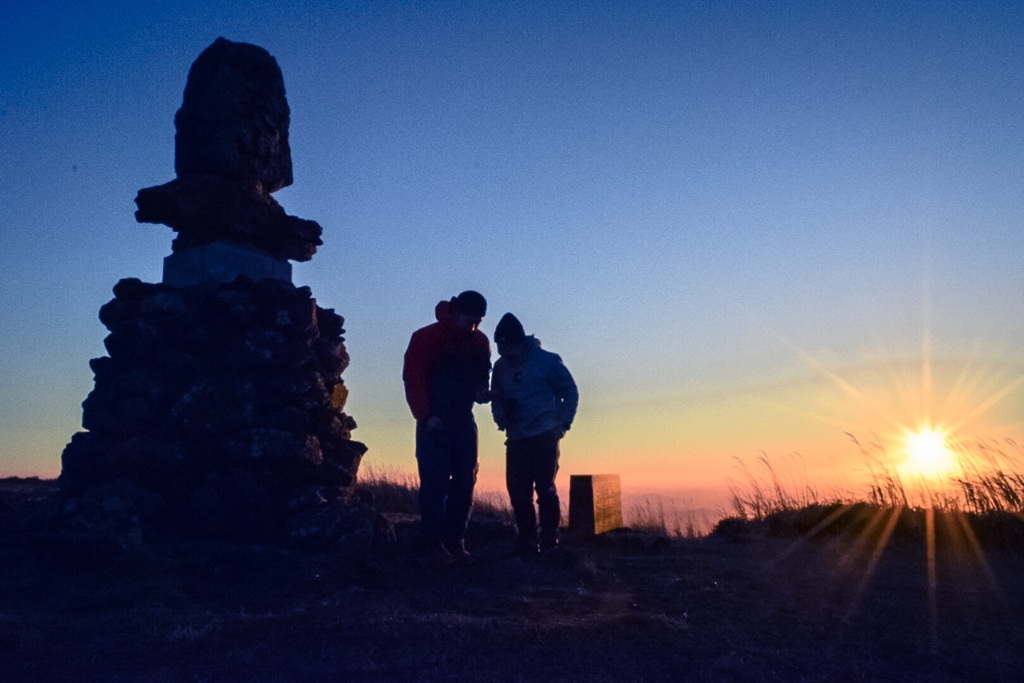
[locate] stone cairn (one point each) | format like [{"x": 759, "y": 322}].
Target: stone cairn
[{"x": 219, "y": 410}]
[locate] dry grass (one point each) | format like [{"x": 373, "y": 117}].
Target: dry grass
[
  {"x": 988, "y": 479},
  {"x": 393, "y": 490},
  {"x": 650, "y": 516},
  {"x": 775, "y": 490},
  {"x": 397, "y": 491}
]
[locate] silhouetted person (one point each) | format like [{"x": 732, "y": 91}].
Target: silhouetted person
[
  {"x": 533, "y": 400},
  {"x": 446, "y": 370}
]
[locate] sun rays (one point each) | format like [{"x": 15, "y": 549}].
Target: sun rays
[
  {"x": 931, "y": 478},
  {"x": 864, "y": 550},
  {"x": 919, "y": 424}
]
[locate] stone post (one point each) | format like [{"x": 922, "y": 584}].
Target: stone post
[{"x": 595, "y": 503}]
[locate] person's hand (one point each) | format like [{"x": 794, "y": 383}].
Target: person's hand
[
  {"x": 434, "y": 423},
  {"x": 483, "y": 395}
]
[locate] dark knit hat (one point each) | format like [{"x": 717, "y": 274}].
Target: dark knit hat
[
  {"x": 509, "y": 330},
  {"x": 471, "y": 303}
]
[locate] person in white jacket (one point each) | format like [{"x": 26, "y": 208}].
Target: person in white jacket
[{"x": 533, "y": 400}]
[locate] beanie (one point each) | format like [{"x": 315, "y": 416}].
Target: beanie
[
  {"x": 471, "y": 303},
  {"x": 509, "y": 330}
]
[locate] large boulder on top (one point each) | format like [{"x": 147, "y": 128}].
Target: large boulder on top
[{"x": 231, "y": 152}]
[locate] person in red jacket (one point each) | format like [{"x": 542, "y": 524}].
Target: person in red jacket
[{"x": 446, "y": 371}]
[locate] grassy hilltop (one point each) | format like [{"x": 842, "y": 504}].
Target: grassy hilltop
[{"x": 827, "y": 592}]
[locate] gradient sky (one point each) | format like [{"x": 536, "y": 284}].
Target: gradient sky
[{"x": 746, "y": 227}]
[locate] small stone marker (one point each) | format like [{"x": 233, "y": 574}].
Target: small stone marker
[{"x": 595, "y": 503}]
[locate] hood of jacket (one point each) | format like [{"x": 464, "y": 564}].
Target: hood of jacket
[
  {"x": 444, "y": 312},
  {"x": 531, "y": 343}
]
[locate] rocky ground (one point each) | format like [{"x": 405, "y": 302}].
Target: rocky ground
[{"x": 804, "y": 600}]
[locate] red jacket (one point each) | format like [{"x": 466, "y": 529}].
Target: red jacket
[{"x": 444, "y": 369}]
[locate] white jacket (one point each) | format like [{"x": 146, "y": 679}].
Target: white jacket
[{"x": 533, "y": 395}]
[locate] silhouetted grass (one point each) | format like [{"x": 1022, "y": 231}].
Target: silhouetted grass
[
  {"x": 397, "y": 491},
  {"x": 393, "y": 490},
  {"x": 650, "y": 517},
  {"x": 992, "y": 479},
  {"x": 773, "y": 491},
  {"x": 987, "y": 480}
]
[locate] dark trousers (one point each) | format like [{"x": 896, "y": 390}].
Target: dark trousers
[
  {"x": 531, "y": 465},
  {"x": 447, "y": 461}
]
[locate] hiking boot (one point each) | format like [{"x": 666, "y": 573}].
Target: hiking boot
[
  {"x": 548, "y": 543},
  {"x": 457, "y": 551}
]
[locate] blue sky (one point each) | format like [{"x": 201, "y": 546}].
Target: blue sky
[{"x": 745, "y": 226}]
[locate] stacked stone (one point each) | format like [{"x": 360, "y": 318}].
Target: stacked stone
[
  {"x": 220, "y": 407},
  {"x": 218, "y": 398}
]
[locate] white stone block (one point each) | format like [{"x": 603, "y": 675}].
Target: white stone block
[{"x": 222, "y": 262}]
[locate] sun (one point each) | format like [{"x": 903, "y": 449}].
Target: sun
[{"x": 928, "y": 454}]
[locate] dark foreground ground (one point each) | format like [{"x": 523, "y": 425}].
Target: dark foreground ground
[{"x": 753, "y": 604}]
